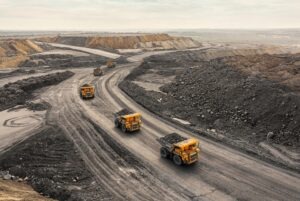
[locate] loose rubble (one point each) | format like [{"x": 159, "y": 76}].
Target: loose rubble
[
  {"x": 49, "y": 162},
  {"x": 19, "y": 92},
  {"x": 216, "y": 94}
]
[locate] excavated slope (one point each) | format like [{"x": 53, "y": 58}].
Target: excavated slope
[
  {"x": 146, "y": 41},
  {"x": 252, "y": 97},
  {"x": 13, "y": 52}
]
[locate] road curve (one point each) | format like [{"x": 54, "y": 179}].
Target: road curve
[
  {"x": 87, "y": 50},
  {"x": 221, "y": 174}
]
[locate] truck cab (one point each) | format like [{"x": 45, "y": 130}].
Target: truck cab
[
  {"x": 128, "y": 121},
  {"x": 87, "y": 91},
  {"x": 188, "y": 150},
  {"x": 180, "y": 149},
  {"x": 110, "y": 63},
  {"x": 98, "y": 72}
]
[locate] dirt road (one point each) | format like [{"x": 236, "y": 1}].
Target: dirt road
[
  {"x": 129, "y": 167},
  {"x": 17, "y": 125},
  {"x": 221, "y": 174},
  {"x": 87, "y": 50}
]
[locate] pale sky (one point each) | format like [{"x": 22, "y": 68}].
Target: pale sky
[{"x": 138, "y": 15}]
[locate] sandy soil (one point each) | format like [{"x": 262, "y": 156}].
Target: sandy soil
[{"x": 16, "y": 191}]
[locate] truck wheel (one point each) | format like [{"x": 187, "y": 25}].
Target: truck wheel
[
  {"x": 164, "y": 152},
  {"x": 117, "y": 124},
  {"x": 124, "y": 129},
  {"x": 177, "y": 160}
]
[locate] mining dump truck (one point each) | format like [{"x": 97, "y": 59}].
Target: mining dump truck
[
  {"x": 98, "y": 72},
  {"x": 180, "y": 149},
  {"x": 87, "y": 91},
  {"x": 127, "y": 120},
  {"x": 110, "y": 64}
]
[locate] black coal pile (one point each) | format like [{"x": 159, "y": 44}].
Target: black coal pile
[
  {"x": 19, "y": 92},
  {"x": 212, "y": 94},
  {"x": 172, "y": 138},
  {"x": 63, "y": 61},
  {"x": 67, "y": 61},
  {"x": 17, "y": 72},
  {"x": 250, "y": 107},
  {"x": 49, "y": 162},
  {"x": 39, "y": 106}
]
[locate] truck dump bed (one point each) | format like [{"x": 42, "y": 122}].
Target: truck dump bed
[
  {"x": 170, "y": 139},
  {"x": 86, "y": 85},
  {"x": 123, "y": 112}
]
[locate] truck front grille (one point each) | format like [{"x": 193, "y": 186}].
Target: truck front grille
[
  {"x": 193, "y": 156},
  {"x": 135, "y": 126}
]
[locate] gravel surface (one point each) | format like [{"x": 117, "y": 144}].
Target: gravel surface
[
  {"x": 217, "y": 95},
  {"x": 49, "y": 162}
]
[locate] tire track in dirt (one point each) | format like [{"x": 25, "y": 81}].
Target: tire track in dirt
[
  {"x": 120, "y": 179},
  {"x": 239, "y": 173}
]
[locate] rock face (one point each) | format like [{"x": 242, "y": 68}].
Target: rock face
[
  {"x": 242, "y": 95},
  {"x": 15, "y": 51},
  {"x": 143, "y": 41}
]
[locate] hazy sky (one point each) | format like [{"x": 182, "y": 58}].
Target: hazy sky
[{"x": 147, "y": 14}]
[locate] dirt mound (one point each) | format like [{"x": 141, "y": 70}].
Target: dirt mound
[
  {"x": 63, "y": 61},
  {"x": 42, "y": 160},
  {"x": 125, "y": 42},
  {"x": 284, "y": 69},
  {"x": 246, "y": 99},
  {"x": 110, "y": 43},
  {"x": 18, "y": 92},
  {"x": 13, "y": 52}
]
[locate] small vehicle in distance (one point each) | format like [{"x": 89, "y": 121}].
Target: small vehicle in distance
[{"x": 87, "y": 91}]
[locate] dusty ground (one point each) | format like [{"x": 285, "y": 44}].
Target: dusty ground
[
  {"x": 17, "y": 124},
  {"x": 15, "y": 51},
  {"x": 16, "y": 191},
  {"x": 252, "y": 100}
]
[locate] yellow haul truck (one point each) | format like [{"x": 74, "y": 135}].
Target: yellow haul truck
[
  {"x": 87, "y": 91},
  {"x": 180, "y": 149},
  {"x": 110, "y": 63},
  {"x": 98, "y": 71},
  {"x": 127, "y": 120}
]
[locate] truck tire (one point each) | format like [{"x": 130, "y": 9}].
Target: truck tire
[
  {"x": 164, "y": 153},
  {"x": 124, "y": 129},
  {"x": 177, "y": 160},
  {"x": 117, "y": 124}
]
